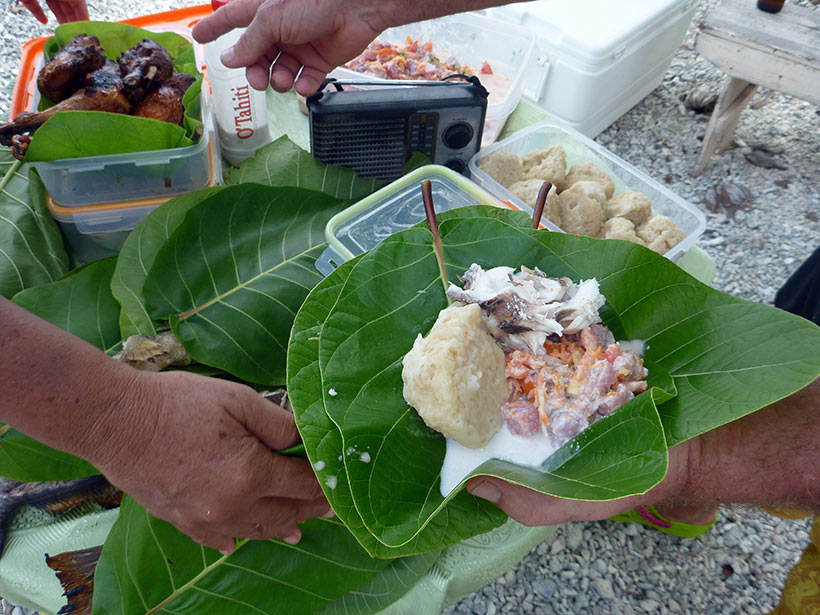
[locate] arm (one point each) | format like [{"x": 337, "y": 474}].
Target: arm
[
  {"x": 769, "y": 457},
  {"x": 195, "y": 451},
  {"x": 318, "y": 36},
  {"x": 64, "y": 10}
]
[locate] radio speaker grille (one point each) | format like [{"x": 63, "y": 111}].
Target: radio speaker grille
[{"x": 374, "y": 148}]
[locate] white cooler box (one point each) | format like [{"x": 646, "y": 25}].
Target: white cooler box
[{"x": 603, "y": 56}]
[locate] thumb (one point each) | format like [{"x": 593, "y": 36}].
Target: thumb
[{"x": 274, "y": 426}]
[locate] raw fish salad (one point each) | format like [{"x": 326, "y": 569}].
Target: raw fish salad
[{"x": 564, "y": 370}]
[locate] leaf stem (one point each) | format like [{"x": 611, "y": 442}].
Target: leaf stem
[
  {"x": 10, "y": 173},
  {"x": 430, "y": 210},
  {"x": 540, "y": 201}
]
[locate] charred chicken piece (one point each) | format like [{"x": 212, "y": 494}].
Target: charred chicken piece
[
  {"x": 164, "y": 102},
  {"x": 144, "y": 66},
  {"x": 64, "y": 73},
  {"x": 103, "y": 92},
  {"x": 19, "y": 146}
]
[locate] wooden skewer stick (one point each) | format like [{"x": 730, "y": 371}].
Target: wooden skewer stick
[
  {"x": 432, "y": 223},
  {"x": 539, "y": 204}
]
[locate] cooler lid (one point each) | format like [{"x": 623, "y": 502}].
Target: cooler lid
[{"x": 591, "y": 29}]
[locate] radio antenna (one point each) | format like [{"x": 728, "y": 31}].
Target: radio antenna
[{"x": 432, "y": 223}]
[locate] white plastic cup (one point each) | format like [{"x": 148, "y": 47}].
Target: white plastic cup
[{"x": 240, "y": 111}]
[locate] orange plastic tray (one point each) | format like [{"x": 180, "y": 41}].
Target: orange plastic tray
[{"x": 22, "y": 97}]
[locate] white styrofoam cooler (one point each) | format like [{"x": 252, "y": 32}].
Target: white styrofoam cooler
[{"x": 603, "y": 56}]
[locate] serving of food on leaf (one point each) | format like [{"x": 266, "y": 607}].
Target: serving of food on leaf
[{"x": 516, "y": 367}]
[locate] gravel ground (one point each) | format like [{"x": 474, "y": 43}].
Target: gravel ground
[{"x": 606, "y": 567}]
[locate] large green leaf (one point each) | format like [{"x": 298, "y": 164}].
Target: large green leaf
[
  {"x": 390, "y": 584},
  {"x": 283, "y": 163},
  {"x": 31, "y": 246},
  {"x": 147, "y": 566},
  {"x": 75, "y": 134},
  {"x": 81, "y": 303},
  {"x": 694, "y": 334},
  {"x": 232, "y": 275},
  {"x": 137, "y": 255}
]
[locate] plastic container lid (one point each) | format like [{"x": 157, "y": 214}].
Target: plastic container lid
[{"x": 395, "y": 207}]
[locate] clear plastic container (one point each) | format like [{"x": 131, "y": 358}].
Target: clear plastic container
[
  {"x": 582, "y": 149},
  {"x": 93, "y": 180},
  {"x": 473, "y": 39},
  {"x": 396, "y": 207},
  {"x": 97, "y": 231}
]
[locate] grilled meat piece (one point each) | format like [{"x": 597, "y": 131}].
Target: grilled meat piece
[
  {"x": 64, "y": 73},
  {"x": 164, "y": 102},
  {"x": 19, "y": 146},
  {"x": 144, "y": 66},
  {"x": 103, "y": 92}
]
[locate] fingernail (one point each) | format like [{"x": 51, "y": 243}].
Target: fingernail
[
  {"x": 329, "y": 514},
  {"x": 226, "y": 552},
  {"x": 293, "y": 538},
  {"x": 227, "y": 56},
  {"x": 486, "y": 490}
]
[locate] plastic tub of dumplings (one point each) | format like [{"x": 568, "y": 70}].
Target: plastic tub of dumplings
[
  {"x": 396, "y": 207},
  {"x": 580, "y": 149}
]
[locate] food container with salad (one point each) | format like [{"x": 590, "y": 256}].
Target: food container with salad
[{"x": 497, "y": 52}]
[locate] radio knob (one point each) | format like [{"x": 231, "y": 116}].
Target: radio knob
[
  {"x": 456, "y": 165},
  {"x": 458, "y": 135}
]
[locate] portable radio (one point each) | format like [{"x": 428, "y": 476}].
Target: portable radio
[{"x": 375, "y": 128}]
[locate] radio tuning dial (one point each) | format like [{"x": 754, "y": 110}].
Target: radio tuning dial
[
  {"x": 458, "y": 135},
  {"x": 456, "y": 165}
]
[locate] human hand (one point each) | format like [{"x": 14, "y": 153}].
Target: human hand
[
  {"x": 64, "y": 10},
  {"x": 199, "y": 453},
  {"x": 292, "y": 35},
  {"x": 533, "y": 508}
]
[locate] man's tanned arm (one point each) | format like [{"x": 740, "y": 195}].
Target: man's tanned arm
[{"x": 195, "y": 451}]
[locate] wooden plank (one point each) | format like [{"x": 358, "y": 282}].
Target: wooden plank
[
  {"x": 779, "y": 51},
  {"x": 734, "y": 96},
  {"x": 795, "y": 29}
]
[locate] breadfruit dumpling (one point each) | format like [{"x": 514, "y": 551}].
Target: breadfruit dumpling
[
  {"x": 455, "y": 377},
  {"x": 582, "y": 208},
  {"x": 634, "y": 206},
  {"x": 661, "y": 233},
  {"x": 547, "y": 165},
  {"x": 620, "y": 228},
  {"x": 589, "y": 171},
  {"x": 503, "y": 166},
  {"x": 527, "y": 190}
]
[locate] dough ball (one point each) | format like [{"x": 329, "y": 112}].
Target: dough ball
[
  {"x": 527, "y": 190},
  {"x": 620, "y": 228},
  {"x": 455, "y": 377},
  {"x": 661, "y": 234},
  {"x": 582, "y": 208},
  {"x": 589, "y": 172},
  {"x": 547, "y": 165},
  {"x": 504, "y": 167},
  {"x": 634, "y": 206}
]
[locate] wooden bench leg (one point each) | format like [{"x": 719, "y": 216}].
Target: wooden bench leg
[{"x": 732, "y": 100}]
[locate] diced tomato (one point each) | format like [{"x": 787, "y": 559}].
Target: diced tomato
[{"x": 486, "y": 69}]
